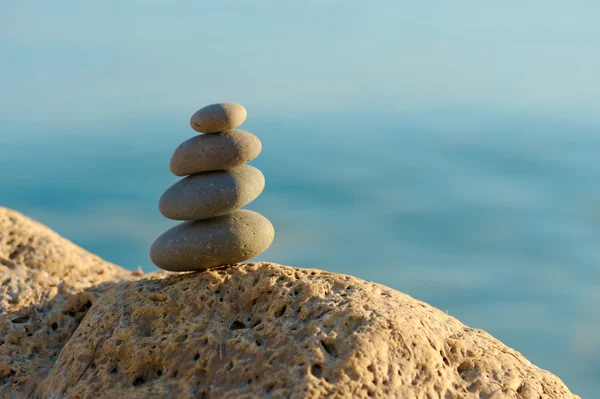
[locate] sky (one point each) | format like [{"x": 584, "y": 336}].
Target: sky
[{"x": 72, "y": 61}]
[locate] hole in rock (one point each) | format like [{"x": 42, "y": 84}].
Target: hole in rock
[
  {"x": 20, "y": 319},
  {"x": 281, "y": 311},
  {"x": 316, "y": 370},
  {"x": 85, "y": 306},
  {"x": 256, "y": 323},
  {"x": 522, "y": 388},
  {"x": 467, "y": 370},
  {"x": 332, "y": 350},
  {"x": 445, "y": 359},
  {"x": 236, "y": 325},
  {"x": 138, "y": 381}
]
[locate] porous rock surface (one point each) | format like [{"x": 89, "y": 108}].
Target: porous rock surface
[
  {"x": 255, "y": 330},
  {"x": 265, "y": 330},
  {"x": 47, "y": 284}
]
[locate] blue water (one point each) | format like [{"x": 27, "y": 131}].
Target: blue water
[{"x": 494, "y": 218}]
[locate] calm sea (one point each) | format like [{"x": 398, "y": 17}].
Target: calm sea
[{"x": 492, "y": 218}]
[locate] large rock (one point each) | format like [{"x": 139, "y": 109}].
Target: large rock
[
  {"x": 255, "y": 330},
  {"x": 265, "y": 330},
  {"x": 47, "y": 285}
]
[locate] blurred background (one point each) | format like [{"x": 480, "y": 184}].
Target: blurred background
[{"x": 448, "y": 150}]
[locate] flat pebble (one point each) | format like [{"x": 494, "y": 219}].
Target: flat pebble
[
  {"x": 210, "y": 194},
  {"x": 218, "y": 151},
  {"x": 216, "y": 118},
  {"x": 202, "y": 244}
]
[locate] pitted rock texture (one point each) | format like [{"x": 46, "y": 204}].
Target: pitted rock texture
[
  {"x": 270, "y": 331},
  {"x": 47, "y": 285}
]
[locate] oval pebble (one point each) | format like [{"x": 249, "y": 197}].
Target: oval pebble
[
  {"x": 202, "y": 244},
  {"x": 219, "y": 151},
  {"x": 209, "y": 194},
  {"x": 216, "y": 118}
]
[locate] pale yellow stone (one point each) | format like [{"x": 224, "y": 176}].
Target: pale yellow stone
[
  {"x": 47, "y": 285},
  {"x": 216, "y": 118}
]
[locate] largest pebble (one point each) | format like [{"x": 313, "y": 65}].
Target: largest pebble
[{"x": 203, "y": 244}]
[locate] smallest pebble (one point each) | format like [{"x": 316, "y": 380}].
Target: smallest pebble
[{"x": 217, "y": 118}]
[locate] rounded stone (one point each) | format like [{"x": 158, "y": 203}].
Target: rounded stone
[
  {"x": 210, "y": 194},
  {"x": 218, "y": 151},
  {"x": 216, "y": 118},
  {"x": 203, "y": 244}
]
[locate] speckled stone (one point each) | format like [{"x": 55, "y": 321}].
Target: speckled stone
[
  {"x": 203, "y": 244},
  {"x": 210, "y": 194},
  {"x": 217, "y": 118},
  {"x": 218, "y": 151}
]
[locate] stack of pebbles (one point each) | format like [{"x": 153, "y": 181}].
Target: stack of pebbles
[{"x": 216, "y": 231}]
